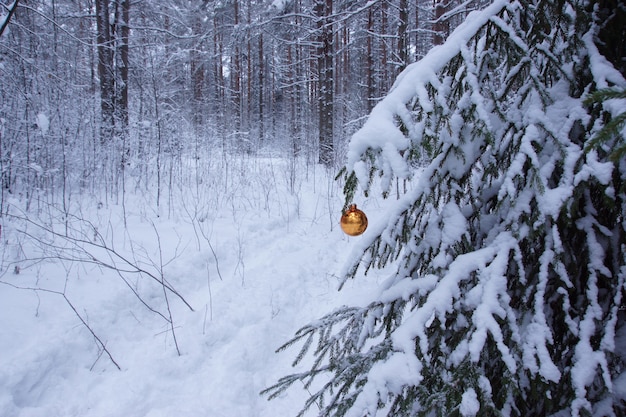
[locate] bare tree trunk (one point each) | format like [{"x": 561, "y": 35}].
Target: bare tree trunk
[
  {"x": 261, "y": 88},
  {"x": 441, "y": 28},
  {"x": 384, "y": 52},
  {"x": 371, "y": 82},
  {"x": 11, "y": 10},
  {"x": 236, "y": 78},
  {"x": 121, "y": 102},
  {"x": 323, "y": 11},
  {"x": 403, "y": 24},
  {"x": 105, "y": 69},
  {"x": 249, "y": 78},
  {"x": 219, "y": 83},
  {"x": 197, "y": 74}
]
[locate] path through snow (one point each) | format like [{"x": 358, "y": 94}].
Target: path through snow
[{"x": 277, "y": 259}]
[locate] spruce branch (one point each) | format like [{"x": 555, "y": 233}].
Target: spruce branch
[
  {"x": 613, "y": 129},
  {"x": 507, "y": 249}
]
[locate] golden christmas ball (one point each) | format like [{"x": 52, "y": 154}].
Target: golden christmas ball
[{"x": 354, "y": 221}]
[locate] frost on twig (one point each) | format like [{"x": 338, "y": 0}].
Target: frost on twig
[{"x": 78, "y": 241}]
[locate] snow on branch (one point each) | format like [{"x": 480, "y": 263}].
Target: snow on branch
[{"x": 508, "y": 242}]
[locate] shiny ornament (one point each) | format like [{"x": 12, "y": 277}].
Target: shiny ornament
[{"x": 354, "y": 221}]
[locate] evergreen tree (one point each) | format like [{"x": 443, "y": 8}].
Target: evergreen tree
[{"x": 510, "y": 243}]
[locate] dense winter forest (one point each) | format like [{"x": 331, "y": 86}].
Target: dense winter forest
[
  {"x": 131, "y": 88},
  {"x": 172, "y": 175}
]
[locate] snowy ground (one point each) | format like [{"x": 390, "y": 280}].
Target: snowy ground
[{"x": 256, "y": 254}]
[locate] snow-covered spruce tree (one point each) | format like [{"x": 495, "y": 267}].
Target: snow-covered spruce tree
[{"x": 509, "y": 247}]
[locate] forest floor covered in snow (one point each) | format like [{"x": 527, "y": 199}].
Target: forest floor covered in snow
[{"x": 254, "y": 250}]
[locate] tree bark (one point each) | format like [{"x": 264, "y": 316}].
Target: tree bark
[
  {"x": 105, "y": 69},
  {"x": 323, "y": 11},
  {"x": 196, "y": 67},
  {"x": 236, "y": 78},
  {"x": 403, "y": 24},
  {"x": 441, "y": 28},
  {"x": 370, "y": 71},
  {"x": 11, "y": 9},
  {"x": 121, "y": 101},
  {"x": 261, "y": 89}
]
